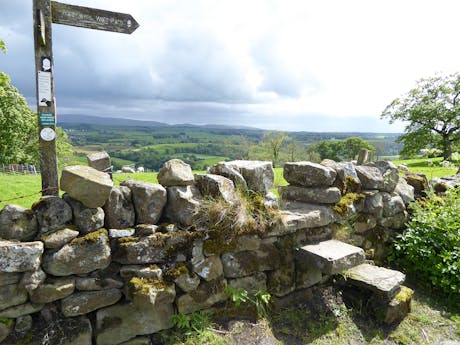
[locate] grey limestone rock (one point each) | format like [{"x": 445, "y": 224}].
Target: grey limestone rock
[
  {"x": 308, "y": 174},
  {"x": 52, "y": 213},
  {"x": 259, "y": 175},
  {"x": 209, "y": 268},
  {"x": 81, "y": 303},
  {"x": 86, "y": 219},
  {"x": 149, "y": 200},
  {"x": 21, "y": 310},
  {"x": 58, "y": 238},
  {"x": 183, "y": 205},
  {"x": 52, "y": 290},
  {"x": 223, "y": 169},
  {"x": 119, "y": 209},
  {"x": 17, "y": 223},
  {"x": 12, "y": 295},
  {"x": 175, "y": 173},
  {"x": 370, "y": 177},
  {"x": 87, "y": 185},
  {"x": 82, "y": 255},
  {"x": 122, "y": 322},
  {"x": 20, "y": 256},
  {"x": 207, "y": 294},
  {"x": 216, "y": 186},
  {"x": 327, "y": 195}
]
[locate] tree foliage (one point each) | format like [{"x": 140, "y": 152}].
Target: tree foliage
[
  {"x": 339, "y": 150},
  {"x": 18, "y": 127},
  {"x": 17, "y": 124},
  {"x": 272, "y": 143},
  {"x": 429, "y": 248},
  {"x": 432, "y": 113}
]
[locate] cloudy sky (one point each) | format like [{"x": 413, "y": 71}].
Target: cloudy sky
[{"x": 328, "y": 65}]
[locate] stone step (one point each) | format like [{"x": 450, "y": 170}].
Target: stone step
[
  {"x": 331, "y": 256},
  {"x": 383, "y": 281}
]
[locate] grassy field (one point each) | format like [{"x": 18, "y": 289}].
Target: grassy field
[{"x": 25, "y": 189}]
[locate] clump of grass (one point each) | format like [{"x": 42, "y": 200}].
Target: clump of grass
[{"x": 225, "y": 222}]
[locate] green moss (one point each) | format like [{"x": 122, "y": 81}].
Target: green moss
[
  {"x": 145, "y": 285},
  {"x": 405, "y": 294},
  {"x": 7, "y": 322},
  {"x": 176, "y": 272},
  {"x": 218, "y": 244},
  {"x": 92, "y": 237},
  {"x": 346, "y": 201},
  {"x": 126, "y": 241},
  {"x": 351, "y": 185}
]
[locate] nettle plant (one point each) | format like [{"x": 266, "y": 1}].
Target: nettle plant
[{"x": 429, "y": 249}]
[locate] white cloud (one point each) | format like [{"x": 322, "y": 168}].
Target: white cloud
[{"x": 259, "y": 59}]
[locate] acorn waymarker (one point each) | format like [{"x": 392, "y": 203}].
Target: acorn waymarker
[{"x": 45, "y": 13}]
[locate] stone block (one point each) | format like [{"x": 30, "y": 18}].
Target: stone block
[
  {"x": 119, "y": 209},
  {"x": 309, "y": 174},
  {"x": 183, "y": 205},
  {"x": 17, "y": 223},
  {"x": 175, "y": 173},
  {"x": 217, "y": 187},
  {"x": 82, "y": 255},
  {"x": 329, "y": 195},
  {"x": 12, "y": 295},
  {"x": 81, "y": 303},
  {"x": 87, "y": 185},
  {"x": 259, "y": 175},
  {"x": 53, "y": 290},
  {"x": 234, "y": 175},
  {"x": 58, "y": 238},
  {"x": 52, "y": 213},
  {"x": 122, "y": 322},
  {"x": 380, "y": 280},
  {"x": 21, "y": 310},
  {"x": 370, "y": 177},
  {"x": 99, "y": 161},
  {"x": 149, "y": 200},
  {"x": 207, "y": 294},
  {"x": 251, "y": 283},
  {"x": 20, "y": 256},
  {"x": 331, "y": 257},
  {"x": 84, "y": 218}
]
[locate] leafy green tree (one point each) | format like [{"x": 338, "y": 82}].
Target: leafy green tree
[
  {"x": 432, "y": 113},
  {"x": 17, "y": 122},
  {"x": 352, "y": 146},
  {"x": 272, "y": 143},
  {"x": 18, "y": 127},
  {"x": 331, "y": 149}
]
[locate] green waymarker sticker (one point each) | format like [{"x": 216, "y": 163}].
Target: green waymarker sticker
[{"x": 47, "y": 119}]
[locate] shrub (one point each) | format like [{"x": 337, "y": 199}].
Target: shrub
[{"x": 429, "y": 249}]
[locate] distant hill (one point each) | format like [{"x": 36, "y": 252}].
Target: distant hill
[{"x": 115, "y": 121}]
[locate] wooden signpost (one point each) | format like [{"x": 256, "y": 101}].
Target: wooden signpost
[{"x": 45, "y": 13}]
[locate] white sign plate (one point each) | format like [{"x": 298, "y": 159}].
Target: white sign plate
[
  {"x": 44, "y": 88},
  {"x": 47, "y": 134}
]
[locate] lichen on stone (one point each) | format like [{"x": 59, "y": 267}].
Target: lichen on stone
[{"x": 92, "y": 237}]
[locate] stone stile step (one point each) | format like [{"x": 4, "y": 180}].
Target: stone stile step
[
  {"x": 332, "y": 256},
  {"x": 383, "y": 281}
]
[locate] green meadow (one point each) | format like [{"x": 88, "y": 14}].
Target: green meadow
[{"x": 24, "y": 190}]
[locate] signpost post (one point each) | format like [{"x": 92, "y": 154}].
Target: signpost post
[{"x": 45, "y": 13}]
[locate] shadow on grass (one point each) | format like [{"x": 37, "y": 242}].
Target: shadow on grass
[{"x": 306, "y": 320}]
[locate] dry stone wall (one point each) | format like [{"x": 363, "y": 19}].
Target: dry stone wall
[{"x": 112, "y": 265}]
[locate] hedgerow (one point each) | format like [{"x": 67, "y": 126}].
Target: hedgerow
[{"x": 429, "y": 249}]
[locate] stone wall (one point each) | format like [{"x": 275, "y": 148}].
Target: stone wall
[{"x": 106, "y": 265}]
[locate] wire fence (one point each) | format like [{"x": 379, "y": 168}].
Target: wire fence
[
  {"x": 43, "y": 191},
  {"x": 18, "y": 169}
]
